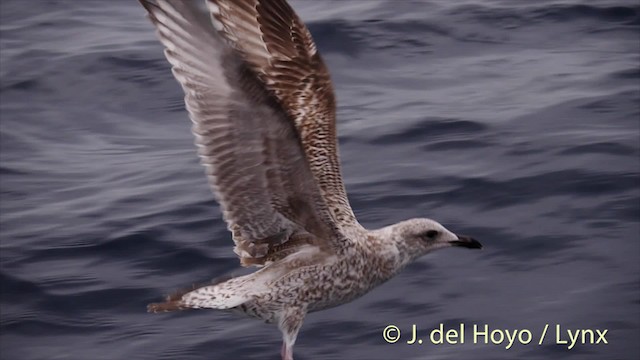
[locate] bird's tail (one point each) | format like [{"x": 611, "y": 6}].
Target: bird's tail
[
  {"x": 222, "y": 293},
  {"x": 173, "y": 302}
]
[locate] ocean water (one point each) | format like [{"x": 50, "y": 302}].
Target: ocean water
[{"x": 515, "y": 122}]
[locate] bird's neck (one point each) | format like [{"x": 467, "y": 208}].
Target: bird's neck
[{"x": 385, "y": 253}]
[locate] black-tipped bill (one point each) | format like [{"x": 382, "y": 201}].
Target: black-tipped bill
[{"x": 467, "y": 242}]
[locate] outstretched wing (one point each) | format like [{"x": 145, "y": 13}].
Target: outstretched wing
[
  {"x": 252, "y": 152},
  {"x": 278, "y": 47}
]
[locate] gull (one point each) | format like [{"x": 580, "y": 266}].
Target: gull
[{"x": 264, "y": 119}]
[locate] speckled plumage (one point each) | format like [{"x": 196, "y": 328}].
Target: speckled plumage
[{"x": 263, "y": 112}]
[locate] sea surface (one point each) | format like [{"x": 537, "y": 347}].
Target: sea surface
[{"x": 516, "y": 122}]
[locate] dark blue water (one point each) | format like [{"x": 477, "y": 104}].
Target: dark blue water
[{"x": 515, "y": 122}]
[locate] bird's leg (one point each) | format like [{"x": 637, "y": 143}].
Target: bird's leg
[
  {"x": 285, "y": 352},
  {"x": 289, "y": 323}
]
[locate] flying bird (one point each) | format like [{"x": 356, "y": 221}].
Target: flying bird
[{"x": 263, "y": 111}]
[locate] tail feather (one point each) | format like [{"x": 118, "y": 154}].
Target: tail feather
[
  {"x": 166, "y": 306},
  {"x": 174, "y": 301}
]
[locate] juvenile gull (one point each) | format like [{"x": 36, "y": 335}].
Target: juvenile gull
[{"x": 263, "y": 112}]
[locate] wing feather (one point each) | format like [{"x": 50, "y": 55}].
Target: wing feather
[
  {"x": 279, "y": 48},
  {"x": 252, "y": 153}
]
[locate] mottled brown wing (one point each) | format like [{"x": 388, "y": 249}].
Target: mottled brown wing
[
  {"x": 251, "y": 151},
  {"x": 279, "y": 48}
]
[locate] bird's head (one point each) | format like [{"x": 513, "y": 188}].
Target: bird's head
[{"x": 416, "y": 237}]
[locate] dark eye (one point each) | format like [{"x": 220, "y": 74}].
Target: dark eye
[{"x": 431, "y": 234}]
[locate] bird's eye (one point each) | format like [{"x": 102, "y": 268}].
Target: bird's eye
[{"x": 432, "y": 234}]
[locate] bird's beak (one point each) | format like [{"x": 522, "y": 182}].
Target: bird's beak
[{"x": 467, "y": 242}]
